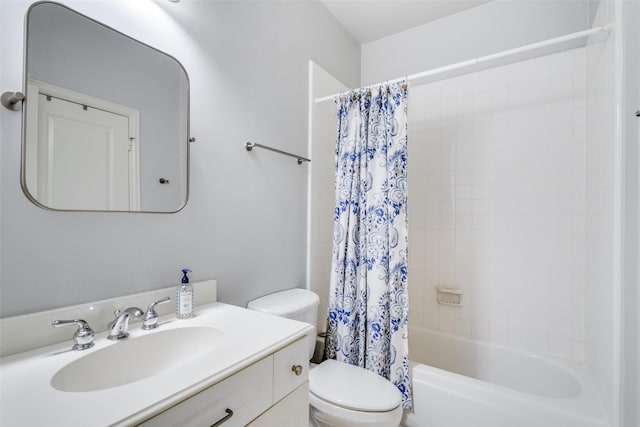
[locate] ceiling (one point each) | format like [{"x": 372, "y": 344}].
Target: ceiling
[{"x": 368, "y": 20}]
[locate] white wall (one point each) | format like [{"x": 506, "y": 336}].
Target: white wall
[
  {"x": 488, "y": 28},
  {"x": 630, "y": 13},
  {"x": 612, "y": 318},
  {"x": 245, "y": 223},
  {"x": 602, "y": 245},
  {"x": 322, "y": 145},
  {"x": 497, "y": 204}
]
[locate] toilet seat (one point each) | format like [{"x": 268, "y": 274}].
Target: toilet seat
[
  {"x": 327, "y": 414},
  {"x": 353, "y": 388}
]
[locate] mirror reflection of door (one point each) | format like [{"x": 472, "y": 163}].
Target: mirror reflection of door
[{"x": 86, "y": 156}]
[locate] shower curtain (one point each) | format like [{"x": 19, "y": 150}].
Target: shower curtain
[{"x": 368, "y": 297}]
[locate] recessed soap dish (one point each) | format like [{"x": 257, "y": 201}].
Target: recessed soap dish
[{"x": 450, "y": 296}]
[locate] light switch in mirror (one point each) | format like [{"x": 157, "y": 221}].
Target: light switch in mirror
[{"x": 105, "y": 120}]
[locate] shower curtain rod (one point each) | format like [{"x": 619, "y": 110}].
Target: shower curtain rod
[{"x": 487, "y": 58}]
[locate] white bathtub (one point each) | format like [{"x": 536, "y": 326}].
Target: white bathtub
[{"x": 464, "y": 383}]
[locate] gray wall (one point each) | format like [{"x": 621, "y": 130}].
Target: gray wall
[
  {"x": 483, "y": 30},
  {"x": 245, "y": 223}
]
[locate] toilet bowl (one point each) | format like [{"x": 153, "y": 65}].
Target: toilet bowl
[
  {"x": 345, "y": 395},
  {"x": 340, "y": 395}
]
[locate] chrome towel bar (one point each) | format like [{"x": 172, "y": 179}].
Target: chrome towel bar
[{"x": 250, "y": 145}]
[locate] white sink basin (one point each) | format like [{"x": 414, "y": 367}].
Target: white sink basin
[{"x": 137, "y": 358}]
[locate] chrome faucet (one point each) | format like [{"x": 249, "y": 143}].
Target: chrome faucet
[
  {"x": 83, "y": 337},
  {"x": 150, "y": 320},
  {"x": 119, "y": 327}
]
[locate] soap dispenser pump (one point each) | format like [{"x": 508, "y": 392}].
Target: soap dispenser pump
[{"x": 184, "y": 297}]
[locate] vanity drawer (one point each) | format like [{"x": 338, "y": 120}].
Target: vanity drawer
[
  {"x": 290, "y": 368},
  {"x": 247, "y": 394}
]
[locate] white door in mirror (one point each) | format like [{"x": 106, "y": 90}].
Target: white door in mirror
[{"x": 83, "y": 156}]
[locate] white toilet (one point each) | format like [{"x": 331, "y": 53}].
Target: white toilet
[{"x": 340, "y": 395}]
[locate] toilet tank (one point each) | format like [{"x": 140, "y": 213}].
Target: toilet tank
[{"x": 296, "y": 304}]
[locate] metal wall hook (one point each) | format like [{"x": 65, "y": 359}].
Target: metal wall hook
[{"x": 12, "y": 100}]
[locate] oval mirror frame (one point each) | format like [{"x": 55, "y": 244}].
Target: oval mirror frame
[{"x": 105, "y": 122}]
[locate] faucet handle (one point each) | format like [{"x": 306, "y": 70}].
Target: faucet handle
[
  {"x": 150, "y": 320},
  {"x": 83, "y": 337}
]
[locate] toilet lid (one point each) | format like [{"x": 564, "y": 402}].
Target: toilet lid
[{"x": 353, "y": 387}]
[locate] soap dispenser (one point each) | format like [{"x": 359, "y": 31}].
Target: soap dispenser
[{"x": 184, "y": 297}]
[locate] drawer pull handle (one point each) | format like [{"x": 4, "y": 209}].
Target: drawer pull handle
[
  {"x": 296, "y": 369},
  {"x": 223, "y": 419}
]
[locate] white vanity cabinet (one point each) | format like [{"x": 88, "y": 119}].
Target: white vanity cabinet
[
  {"x": 271, "y": 392},
  {"x": 252, "y": 370}
]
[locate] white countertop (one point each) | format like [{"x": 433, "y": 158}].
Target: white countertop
[{"x": 28, "y": 399}]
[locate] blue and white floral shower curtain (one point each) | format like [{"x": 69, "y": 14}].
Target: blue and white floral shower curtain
[{"x": 368, "y": 296}]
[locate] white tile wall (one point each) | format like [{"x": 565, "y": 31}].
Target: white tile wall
[{"x": 497, "y": 203}]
